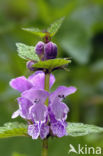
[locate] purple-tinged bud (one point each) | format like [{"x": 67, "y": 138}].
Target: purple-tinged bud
[
  {"x": 29, "y": 65},
  {"x": 50, "y": 51},
  {"x": 39, "y": 48}
]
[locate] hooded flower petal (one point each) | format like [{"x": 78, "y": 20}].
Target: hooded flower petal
[
  {"x": 61, "y": 92},
  {"x": 24, "y": 106},
  {"x": 21, "y": 84},
  {"x": 59, "y": 128},
  {"x": 59, "y": 110},
  {"x": 38, "y": 113},
  {"x": 38, "y": 79},
  {"x": 44, "y": 131},
  {"x": 35, "y": 96},
  {"x": 34, "y": 130}
]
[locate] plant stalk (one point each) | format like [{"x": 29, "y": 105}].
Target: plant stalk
[{"x": 45, "y": 141}]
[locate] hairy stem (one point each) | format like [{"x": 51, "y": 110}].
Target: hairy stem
[
  {"x": 45, "y": 141},
  {"x": 45, "y": 147},
  {"x": 47, "y": 77}
]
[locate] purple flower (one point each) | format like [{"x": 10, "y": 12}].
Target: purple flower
[
  {"x": 30, "y": 102},
  {"x": 58, "y": 110},
  {"x": 36, "y": 81},
  {"x": 38, "y": 112},
  {"x": 32, "y": 107},
  {"x": 42, "y": 120},
  {"x": 50, "y": 51}
]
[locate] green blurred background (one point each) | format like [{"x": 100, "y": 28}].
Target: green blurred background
[{"x": 81, "y": 39}]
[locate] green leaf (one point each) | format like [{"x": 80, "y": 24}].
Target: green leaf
[
  {"x": 80, "y": 129},
  {"x": 73, "y": 129},
  {"x": 55, "y": 26},
  {"x": 35, "y": 31},
  {"x": 51, "y": 64},
  {"x": 26, "y": 52},
  {"x": 13, "y": 129}
]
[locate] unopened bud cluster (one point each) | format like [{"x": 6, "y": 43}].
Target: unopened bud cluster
[{"x": 46, "y": 51}]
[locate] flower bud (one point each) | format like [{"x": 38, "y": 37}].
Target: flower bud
[
  {"x": 50, "y": 51},
  {"x": 39, "y": 48},
  {"x": 29, "y": 65}
]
